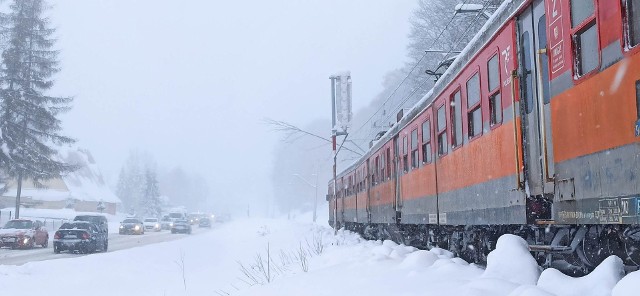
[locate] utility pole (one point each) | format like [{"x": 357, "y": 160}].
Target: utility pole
[{"x": 344, "y": 112}]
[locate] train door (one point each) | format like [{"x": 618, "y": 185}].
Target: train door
[
  {"x": 366, "y": 174},
  {"x": 535, "y": 99},
  {"x": 397, "y": 187}
]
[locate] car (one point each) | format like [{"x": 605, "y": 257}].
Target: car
[
  {"x": 166, "y": 223},
  {"x": 23, "y": 234},
  {"x": 82, "y": 236},
  {"x": 152, "y": 224},
  {"x": 181, "y": 226},
  {"x": 99, "y": 220},
  {"x": 131, "y": 226},
  {"x": 204, "y": 222}
]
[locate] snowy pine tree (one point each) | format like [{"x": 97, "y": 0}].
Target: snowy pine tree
[
  {"x": 29, "y": 124},
  {"x": 151, "y": 204}
]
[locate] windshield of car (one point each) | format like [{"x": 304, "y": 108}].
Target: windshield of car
[
  {"x": 176, "y": 215},
  {"x": 71, "y": 225},
  {"x": 151, "y": 220},
  {"x": 94, "y": 219},
  {"x": 182, "y": 221},
  {"x": 131, "y": 221},
  {"x": 17, "y": 224}
]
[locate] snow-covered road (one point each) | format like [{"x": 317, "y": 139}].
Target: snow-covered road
[{"x": 116, "y": 242}]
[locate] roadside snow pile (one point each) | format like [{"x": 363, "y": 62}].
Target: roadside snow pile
[
  {"x": 512, "y": 262},
  {"x": 599, "y": 282}
]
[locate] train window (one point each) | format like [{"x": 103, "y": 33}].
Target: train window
[
  {"x": 544, "y": 59},
  {"x": 495, "y": 100},
  {"x": 632, "y": 22},
  {"x": 376, "y": 170},
  {"x": 638, "y": 98},
  {"x": 526, "y": 64},
  {"x": 442, "y": 132},
  {"x": 456, "y": 120},
  {"x": 383, "y": 166},
  {"x": 580, "y": 11},
  {"x": 415, "y": 161},
  {"x": 405, "y": 157},
  {"x": 426, "y": 141},
  {"x": 388, "y": 163},
  {"x": 474, "y": 106},
  {"x": 584, "y": 36}
]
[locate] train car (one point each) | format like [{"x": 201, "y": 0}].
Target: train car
[{"x": 533, "y": 130}]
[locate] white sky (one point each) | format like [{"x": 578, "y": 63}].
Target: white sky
[{"x": 189, "y": 81}]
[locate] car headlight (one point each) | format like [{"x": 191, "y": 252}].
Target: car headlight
[
  {"x": 157, "y": 225},
  {"x": 171, "y": 224},
  {"x": 137, "y": 227},
  {"x": 121, "y": 226},
  {"x": 26, "y": 240}
]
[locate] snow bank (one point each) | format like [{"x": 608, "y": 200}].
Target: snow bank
[
  {"x": 628, "y": 286},
  {"x": 511, "y": 261},
  {"x": 599, "y": 282}
]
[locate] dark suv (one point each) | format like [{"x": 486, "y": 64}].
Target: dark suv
[{"x": 98, "y": 220}]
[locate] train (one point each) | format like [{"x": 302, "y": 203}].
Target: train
[{"x": 533, "y": 130}]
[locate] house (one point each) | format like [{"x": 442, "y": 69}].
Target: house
[{"x": 83, "y": 190}]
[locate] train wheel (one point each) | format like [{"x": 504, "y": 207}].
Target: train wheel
[
  {"x": 632, "y": 245},
  {"x": 594, "y": 247}
]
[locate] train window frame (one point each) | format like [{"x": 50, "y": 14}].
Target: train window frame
[
  {"x": 457, "y": 129},
  {"x": 427, "y": 153},
  {"x": 578, "y": 30},
  {"x": 492, "y": 94},
  {"x": 627, "y": 43},
  {"x": 383, "y": 166},
  {"x": 376, "y": 170},
  {"x": 475, "y": 108},
  {"x": 442, "y": 135},
  {"x": 405, "y": 155},
  {"x": 389, "y": 167},
  {"x": 415, "y": 152}
]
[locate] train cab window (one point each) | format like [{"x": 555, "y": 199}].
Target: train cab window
[
  {"x": 584, "y": 33},
  {"x": 426, "y": 142},
  {"x": 456, "y": 120},
  {"x": 415, "y": 161},
  {"x": 632, "y": 22},
  {"x": 405, "y": 160},
  {"x": 442, "y": 132},
  {"x": 495, "y": 101},
  {"x": 474, "y": 106}
]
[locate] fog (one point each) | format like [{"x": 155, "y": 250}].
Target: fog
[{"x": 190, "y": 81}]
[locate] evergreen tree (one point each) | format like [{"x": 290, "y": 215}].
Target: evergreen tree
[
  {"x": 151, "y": 204},
  {"x": 29, "y": 124}
]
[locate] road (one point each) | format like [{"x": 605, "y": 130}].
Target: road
[{"x": 116, "y": 242}]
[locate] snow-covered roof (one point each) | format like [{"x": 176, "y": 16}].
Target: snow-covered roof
[{"x": 86, "y": 183}]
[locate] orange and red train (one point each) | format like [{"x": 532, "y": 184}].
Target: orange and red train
[{"x": 533, "y": 130}]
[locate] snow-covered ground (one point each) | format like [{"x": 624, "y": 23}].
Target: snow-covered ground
[{"x": 304, "y": 259}]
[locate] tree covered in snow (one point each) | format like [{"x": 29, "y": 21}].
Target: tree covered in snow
[
  {"x": 131, "y": 181},
  {"x": 151, "y": 204},
  {"x": 29, "y": 124}
]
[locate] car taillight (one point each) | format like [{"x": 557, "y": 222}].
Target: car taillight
[
  {"x": 58, "y": 235},
  {"x": 85, "y": 235}
]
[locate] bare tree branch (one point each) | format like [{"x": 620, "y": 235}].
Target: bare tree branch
[{"x": 293, "y": 133}]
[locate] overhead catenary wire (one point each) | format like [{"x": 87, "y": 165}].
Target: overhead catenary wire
[
  {"x": 457, "y": 42},
  {"x": 409, "y": 74}
]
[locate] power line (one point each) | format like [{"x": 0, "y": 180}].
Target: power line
[
  {"x": 411, "y": 71},
  {"x": 471, "y": 24}
]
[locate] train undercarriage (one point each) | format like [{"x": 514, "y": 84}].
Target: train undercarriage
[{"x": 573, "y": 249}]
